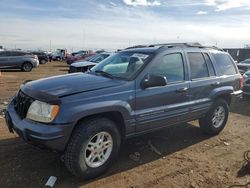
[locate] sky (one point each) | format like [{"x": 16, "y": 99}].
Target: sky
[{"x": 112, "y": 24}]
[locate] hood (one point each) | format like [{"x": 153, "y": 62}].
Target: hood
[
  {"x": 83, "y": 64},
  {"x": 69, "y": 84}
]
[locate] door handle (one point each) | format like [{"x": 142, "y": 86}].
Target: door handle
[
  {"x": 182, "y": 90},
  {"x": 215, "y": 84}
]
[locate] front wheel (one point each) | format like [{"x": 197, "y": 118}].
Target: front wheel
[
  {"x": 92, "y": 148},
  {"x": 216, "y": 119}
]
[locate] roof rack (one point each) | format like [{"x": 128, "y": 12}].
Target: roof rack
[{"x": 171, "y": 45}]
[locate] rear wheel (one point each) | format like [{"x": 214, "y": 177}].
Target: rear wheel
[
  {"x": 92, "y": 148},
  {"x": 216, "y": 119},
  {"x": 43, "y": 61},
  {"x": 27, "y": 67}
]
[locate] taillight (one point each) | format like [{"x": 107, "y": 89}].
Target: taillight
[{"x": 241, "y": 82}]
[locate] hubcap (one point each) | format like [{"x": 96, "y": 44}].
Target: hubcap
[
  {"x": 98, "y": 149},
  {"x": 218, "y": 116},
  {"x": 27, "y": 67}
]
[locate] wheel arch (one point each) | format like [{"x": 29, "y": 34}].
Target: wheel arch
[
  {"x": 26, "y": 61},
  {"x": 222, "y": 93},
  {"x": 114, "y": 116}
]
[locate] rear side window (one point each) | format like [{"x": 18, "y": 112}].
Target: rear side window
[
  {"x": 209, "y": 65},
  {"x": 225, "y": 64},
  {"x": 198, "y": 66}
]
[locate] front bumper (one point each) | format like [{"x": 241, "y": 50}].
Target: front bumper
[
  {"x": 50, "y": 136},
  {"x": 35, "y": 63}
]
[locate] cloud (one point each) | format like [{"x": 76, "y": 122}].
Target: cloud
[
  {"x": 142, "y": 2},
  {"x": 117, "y": 25},
  {"x": 201, "y": 13},
  {"x": 222, "y": 5}
]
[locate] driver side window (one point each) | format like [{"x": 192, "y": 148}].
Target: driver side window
[{"x": 171, "y": 66}]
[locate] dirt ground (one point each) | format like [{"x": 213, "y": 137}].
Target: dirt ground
[{"x": 187, "y": 159}]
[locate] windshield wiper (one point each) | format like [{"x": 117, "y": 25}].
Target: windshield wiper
[{"x": 106, "y": 74}]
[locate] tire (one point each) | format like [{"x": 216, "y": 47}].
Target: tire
[
  {"x": 212, "y": 125},
  {"x": 58, "y": 59},
  {"x": 27, "y": 67},
  {"x": 43, "y": 61},
  {"x": 83, "y": 137}
]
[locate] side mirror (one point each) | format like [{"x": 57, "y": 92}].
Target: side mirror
[{"x": 151, "y": 80}]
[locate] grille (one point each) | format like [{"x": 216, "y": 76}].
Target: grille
[
  {"x": 73, "y": 69},
  {"x": 22, "y": 103}
]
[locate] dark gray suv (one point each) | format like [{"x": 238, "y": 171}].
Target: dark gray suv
[{"x": 136, "y": 91}]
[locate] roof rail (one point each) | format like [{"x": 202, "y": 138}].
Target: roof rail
[
  {"x": 214, "y": 47},
  {"x": 170, "y": 45},
  {"x": 166, "y": 44}
]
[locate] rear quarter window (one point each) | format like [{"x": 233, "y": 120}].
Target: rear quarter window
[{"x": 225, "y": 64}]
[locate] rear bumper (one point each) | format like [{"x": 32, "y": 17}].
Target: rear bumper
[
  {"x": 236, "y": 95},
  {"x": 50, "y": 136}
]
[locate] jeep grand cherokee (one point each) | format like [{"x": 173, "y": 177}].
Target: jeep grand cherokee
[{"x": 135, "y": 91}]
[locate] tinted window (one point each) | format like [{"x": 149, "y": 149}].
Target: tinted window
[
  {"x": 7, "y": 53},
  {"x": 209, "y": 65},
  {"x": 225, "y": 64},
  {"x": 2, "y": 54},
  {"x": 16, "y": 53},
  {"x": 198, "y": 65},
  {"x": 170, "y": 66}
]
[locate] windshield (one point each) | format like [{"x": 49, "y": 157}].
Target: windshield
[
  {"x": 98, "y": 58},
  {"x": 122, "y": 65}
]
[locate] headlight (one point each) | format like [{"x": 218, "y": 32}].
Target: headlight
[{"x": 42, "y": 112}]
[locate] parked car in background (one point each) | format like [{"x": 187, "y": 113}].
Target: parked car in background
[
  {"x": 18, "y": 60},
  {"x": 83, "y": 66},
  {"x": 42, "y": 57},
  {"x": 79, "y": 56},
  {"x": 133, "y": 92},
  {"x": 246, "y": 86},
  {"x": 244, "y": 66},
  {"x": 79, "y": 52},
  {"x": 59, "y": 55}
]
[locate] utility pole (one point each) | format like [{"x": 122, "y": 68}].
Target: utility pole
[{"x": 50, "y": 45}]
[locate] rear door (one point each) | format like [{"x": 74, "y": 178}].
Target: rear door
[
  {"x": 15, "y": 59},
  {"x": 165, "y": 105},
  {"x": 203, "y": 81}
]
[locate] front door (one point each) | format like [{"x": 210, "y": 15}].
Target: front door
[
  {"x": 3, "y": 59},
  {"x": 165, "y": 105}
]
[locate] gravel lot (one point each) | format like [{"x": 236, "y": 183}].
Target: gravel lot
[{"x": 187, "y": 158}]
